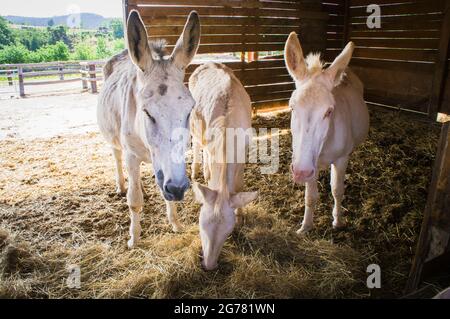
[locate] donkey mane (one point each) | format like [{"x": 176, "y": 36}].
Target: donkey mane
[
  {"x": 314, "y": 63},
  {"x": 158, "y": 47}
]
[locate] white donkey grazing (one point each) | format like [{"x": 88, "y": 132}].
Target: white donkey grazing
[
  {"x": 143, "y": 102},
  {"x": 329, "y": 119},
  {"x": 222, "y": 107}
]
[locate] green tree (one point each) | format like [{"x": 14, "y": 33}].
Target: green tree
[
  {"x": 32, "y": 38},
  {"x": 14, "y": 54},
  {"x": 118, "y": 45},
  {"x": 51, "y": 23},
  {"x": 58, "y": 33},
  {"x": 102, "y": 49},
  {"x": 6, "y": 35},
  {"x": 83, "y": 51},
  {"x": 116, "y": 26}
]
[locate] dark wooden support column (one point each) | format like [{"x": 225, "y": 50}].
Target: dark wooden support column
[
  {"x": 438, "y": 85},
  {"x": 434, "y": 237}
]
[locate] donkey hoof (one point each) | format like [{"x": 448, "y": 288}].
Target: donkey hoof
[
  {"x": 121, "y": 192},
  {"x": 304, "y": 230},
  {"x": 177, "y": 228},
  {"x": 132, "y": 243},
  {"x": 338, "y": 224}
]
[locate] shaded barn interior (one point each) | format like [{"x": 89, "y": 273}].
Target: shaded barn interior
[{"x": 404, "y": 64}]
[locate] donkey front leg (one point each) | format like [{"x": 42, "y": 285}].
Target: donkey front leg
[
  {"x": 171, "y": 209},
  {"x": 120, "y": 179},
  {"x": 311, "y": 197},
  {"x": 337, "y": 188},
  {"x": 206, "y": 166},
  {"x": 135, "y": 198},
  {"x": 196, "y": 160}
]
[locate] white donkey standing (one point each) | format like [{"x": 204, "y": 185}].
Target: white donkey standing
[
  {"x": 222, "y": 107},
  {"x": 329, "y": 119},
  {"x": 142, "y": 103}
]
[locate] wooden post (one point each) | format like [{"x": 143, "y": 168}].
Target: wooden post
[
  {"x": 125, "y": 18},
  {"x": 438, "y": 84},
  {"x": 61, "y": 74},
  {"x": 93, "y": 77},
  {"x": 434, "y": 237},
  {"x": 21, "y": 82},
  {"x": 9, "y": 76},
  {"x": 83, "y": 76}
]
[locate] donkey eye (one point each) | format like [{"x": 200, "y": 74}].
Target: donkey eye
[
  {"x": 328, "y": 113},
  {"x": 150, "y": 117}
]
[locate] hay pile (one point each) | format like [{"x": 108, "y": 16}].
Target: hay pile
[{"x": 58, "y": 208}]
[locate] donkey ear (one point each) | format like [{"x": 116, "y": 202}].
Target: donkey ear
[
  {"x": 337, "y": 68},
  {"x": 241, "y": 199},
  {"x": 293, "y": 56},
  {"x": 138, "y": 42},
  {"x": 187, "y": 44},
  {"x": 203, "y": 194}
]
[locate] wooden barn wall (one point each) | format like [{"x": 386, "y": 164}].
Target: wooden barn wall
[
  {"x": 242, "y": 26},
  {"x": 397, "y": 61},
  {"x": 336, "y": 27}
]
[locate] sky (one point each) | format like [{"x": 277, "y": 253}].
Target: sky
[{"x": 49, "y": 8}]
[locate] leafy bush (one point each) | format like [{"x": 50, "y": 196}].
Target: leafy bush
[
  {"x": 83, "y": 51},
  {"x": 118, "y": 45},
  {"x": 14, "y": 54},
  {"x": 49, "y": 53},
  {"x": 102, "y": 49}
]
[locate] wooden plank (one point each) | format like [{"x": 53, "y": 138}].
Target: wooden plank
[
  {"x": 354, "y": 3},
  {"x": 397, "y": 99},
  {"x": 158, "y": 12},
  {"x": 412, "y": 67},
  {"x": 272, "y": 96},
  {"x": 163, "y": 31},
  {"x": 397, "y": 43},
  {"x": 413, "y": 18},
  {"x": 402, "y": 8},
  {"x": 236, "y": 39},
  {"x": 227, "y": 3},
  {"x": 266, "y": 80},
  {"x": 396, "y": 54},
  {"x": 223, "y": 48},
  {"x": 410, "y": 34},
  {"x": 438, "y": 204},
  {"x": 229, "y": 21},
  {"x": 267, "y": 89},
  {"x": 46, "y": 73},
  {"x": 411, "y": 25},
  {"x": 51, "y": 82},
  {"x": 441, "y": 64}
]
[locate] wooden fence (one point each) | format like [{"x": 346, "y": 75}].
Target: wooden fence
[
  {"x": 402, "y": 63},
  {"x": 242, "y": 26},
  {"x": 65, "y": 72}
]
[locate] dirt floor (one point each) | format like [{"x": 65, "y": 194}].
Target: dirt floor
[{"x": 58, "y": 208}]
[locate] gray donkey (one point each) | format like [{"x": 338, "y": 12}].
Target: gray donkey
[{"x": 143, "y": 102}]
